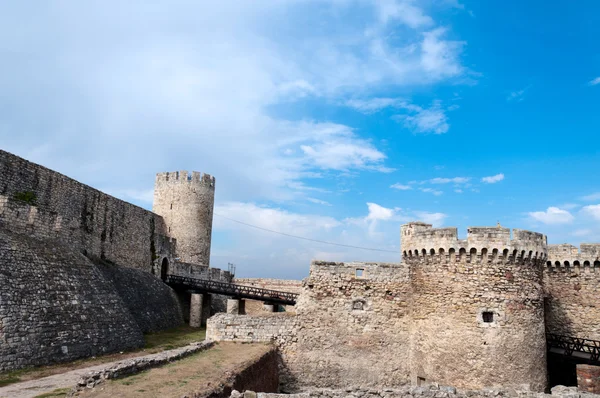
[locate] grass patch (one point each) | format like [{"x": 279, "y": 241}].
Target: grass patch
[
  {"x": 10, "y": 377},
  {"x": 155, "y": 342},
  {"x": 174, "y": 338},
  {"x": 58, "y": 393}
]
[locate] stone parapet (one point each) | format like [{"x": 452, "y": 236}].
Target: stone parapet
[{"x": 420, "y": 240}]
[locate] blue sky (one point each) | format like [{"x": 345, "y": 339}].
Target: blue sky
[{"x": 334, "y": 120}]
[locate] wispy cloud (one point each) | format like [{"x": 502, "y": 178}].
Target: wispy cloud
[
  {"x": 595, "y": 81},
  {"x": 553, "y": 215},
  {"x": 432, "y": 191},
  {"x": 373, "y": 105},
  {"x": 591, "y": 197},
  {"x": 401, "y": 187},
  {"x": 592, "y": 210},
  {"x": 319, "y": 201},
  {"x": 493, "y": 179},
  {"x": 454, "y": 180},
  {"x": 425, "y": 120},
  {"x": 518, "y": 95}
]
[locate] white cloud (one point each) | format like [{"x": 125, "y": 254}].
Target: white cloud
[
  {"x": 432, "y": 191},
  {"x": 405, "y": 11},
  {"x": 582, "y": 232},
  {"x": 373, "y": 105},
  {"x": 458, "y": 190},
  {"x": 377, "y": 212},
  {"x": 440, "y": 57},
  {"x": 553, "y": 215},
  {"x": 431, "y": 120},
  {"x": 401, "y": 187},
  {"x": 592, "y": 210},
  {"x": 437, "y": 219},
  {"x": 493, "y": 179},
  {"x": 595, "y": 81},
  {"x": 455, "y": 180},
  {"x": 516, "y": 95},
  {"x": 591, "y": 197},
  {"x": 319, "y": 201}
]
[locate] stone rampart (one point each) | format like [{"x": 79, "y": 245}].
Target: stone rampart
[
  {"x": 572, "y": 283},
  {"x": 47, "y": 204},
  {"x": 152, "y": 304},
  {"x": 351, "y": 328},
  {"x": 57, "y": 306},
  {"x": 479, "y": 299},
  {"x": 355, "y": 326},
  {"x": 185, "y": 201}
]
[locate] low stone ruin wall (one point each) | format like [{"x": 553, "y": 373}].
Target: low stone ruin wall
[
  {"x": 420, "y": 392},
  {"x": 277, "y": 327}
]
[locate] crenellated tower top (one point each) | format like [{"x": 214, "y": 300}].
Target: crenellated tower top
[
  {"x": 420, "y": 239},
  {"x": 566, "y": 255},
  {"x": 178, "y": 177}
]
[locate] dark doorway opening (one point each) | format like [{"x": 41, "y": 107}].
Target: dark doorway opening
[
  {"x": 164, "y": 269},
  {"x": 562, "y": 370}
]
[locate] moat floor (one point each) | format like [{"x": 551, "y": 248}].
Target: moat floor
[{"x": 198, "y": 374}]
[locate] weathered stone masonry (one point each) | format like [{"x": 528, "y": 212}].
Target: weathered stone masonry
[
  {"x": 76, "y": 267},
  {"x": 468, "y": 313},
  {"x": 572, "y": 282},
  {"x": 477, "y": 308},
  {"x": 47, "y": 204}
]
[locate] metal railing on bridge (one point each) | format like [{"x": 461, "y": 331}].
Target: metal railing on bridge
[
  {"x": 231, "y": 289},
  {"x": 573, "y": 347}
]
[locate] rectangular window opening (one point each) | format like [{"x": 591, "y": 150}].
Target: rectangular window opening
[
  {"x": 487, "y": 316},
  {"x": 360, "y": 272},
  {"x": 420, "y": 381}
]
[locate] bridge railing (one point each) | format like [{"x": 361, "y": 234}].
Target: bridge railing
[
  {"x": 231, "y": 289},
  {"x": 574, "y": 344}
]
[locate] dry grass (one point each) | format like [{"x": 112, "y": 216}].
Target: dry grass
[
  {"x": 155, "y": 342},
  {"x": 198, "y": 374}
]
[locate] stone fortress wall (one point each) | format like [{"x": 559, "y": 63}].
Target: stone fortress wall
[
  {"x": 351, "y": 328},
  {"x": 477, "y": 306},
  {"x": 185, "y": 202},
  {"x": 77, "y": 265},
  {"x": 572, "y": 282},
  {"x": 43, "y": 203},
  {"x": 464, "y": 312}
]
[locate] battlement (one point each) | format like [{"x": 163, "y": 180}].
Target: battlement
[
  {"x": 566, "y": 255},
  {"x": 420, "y": 239},
  {"x": 183, "y": 176}
]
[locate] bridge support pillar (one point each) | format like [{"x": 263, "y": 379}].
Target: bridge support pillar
[
  {"x": 196, "y": 310},
  {"x": 270, "y": 307},
  {"x": 233, "y": 306},
  {"x": 236, "y": 307}
]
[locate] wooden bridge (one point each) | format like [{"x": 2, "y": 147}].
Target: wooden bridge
[{"x": 231, "y": 289}]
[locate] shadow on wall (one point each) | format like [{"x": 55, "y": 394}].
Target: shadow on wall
[{"x": 152, "y": 303}]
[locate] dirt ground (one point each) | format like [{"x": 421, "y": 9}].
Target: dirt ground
[
  {"x": 155, "y": 342},
  {"x": 198, "y": 373}
]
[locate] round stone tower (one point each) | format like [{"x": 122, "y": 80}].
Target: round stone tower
[
  {"x": 477, "y": 311},
  {"x": 185, "y": 201}
]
